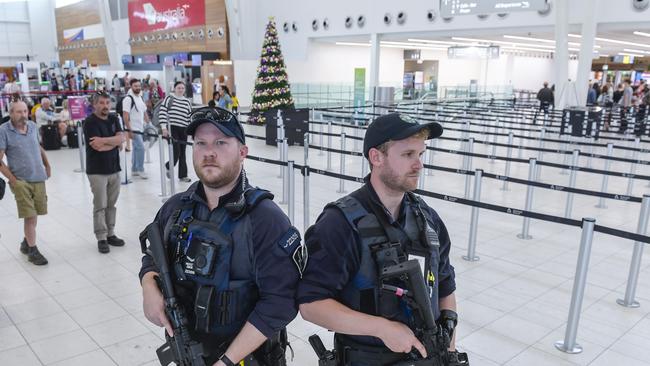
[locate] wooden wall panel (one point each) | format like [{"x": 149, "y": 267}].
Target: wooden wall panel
[{"x": 79, "y": 15}]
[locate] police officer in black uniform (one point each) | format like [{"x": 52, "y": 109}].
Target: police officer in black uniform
[
  {"x": 241, "y": 300},
  {"x": 349, "y": 243}
]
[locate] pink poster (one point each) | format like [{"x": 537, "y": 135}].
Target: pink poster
[{"x": 78, "y": 107}]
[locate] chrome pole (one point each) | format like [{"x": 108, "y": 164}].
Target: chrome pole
[
  {"x": 342, "y": 167},
  {"x": 569, "y": 345},
  {"x": 291, "y": 191},
  {"x": 509, "y": 154},
  {"x": 637, "y": 255},
  {"x": 473, "y": 228},
  {"x": 603, "y": 187},
  {"x": 572, "y": 183},
  {"x": 532, "y": 171}
]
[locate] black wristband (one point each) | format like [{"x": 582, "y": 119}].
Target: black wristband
[{"x": 226, "y": 361}]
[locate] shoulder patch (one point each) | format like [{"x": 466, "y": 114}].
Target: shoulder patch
[{"x": 290, "y": 240}]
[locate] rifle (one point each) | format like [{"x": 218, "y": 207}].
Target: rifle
[
  {"x": 435, "y": 337},
  {"x": 179, "y": 349}
]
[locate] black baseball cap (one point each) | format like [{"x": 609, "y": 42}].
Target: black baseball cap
[
  {"x": 396, "y": 126},
  {"x": 225, "y": 121}
]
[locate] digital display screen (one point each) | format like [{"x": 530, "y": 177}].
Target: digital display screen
[
  {"x": 196, "y": 60},
  {"x": 127, "y": 59},
  {"x": 150, "y": 59}
]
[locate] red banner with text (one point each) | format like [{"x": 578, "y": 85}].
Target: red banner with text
[{"x": 157, "y": 15}]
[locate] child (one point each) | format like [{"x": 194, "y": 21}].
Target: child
[{"x": 235, "y": 103}]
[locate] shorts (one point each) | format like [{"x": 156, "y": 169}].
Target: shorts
[{"x": 31, "y": 198}]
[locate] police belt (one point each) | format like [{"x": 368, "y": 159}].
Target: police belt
[{"x": 348, "y": 350}]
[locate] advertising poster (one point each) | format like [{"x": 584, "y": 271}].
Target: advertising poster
[
  {"x": 359, "y": 86},
  {"x": 79, "y": 107},
  {"x": 152, "y": 16}
]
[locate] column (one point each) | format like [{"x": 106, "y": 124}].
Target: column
[
  {"x": 586, "y": 51},
  {"x": 561, "y": 57},
  {"x": 374, "y": 63},
  {"x": 109, "y": 37}
]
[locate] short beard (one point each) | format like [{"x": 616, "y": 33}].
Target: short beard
[
  {"x": 394, "y": 182},
  {"x": 228, "y": 174}
]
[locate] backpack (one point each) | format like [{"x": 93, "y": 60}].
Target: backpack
[
  {"x": 119, "y": 109},
  {"x": 155, "y": 119}
]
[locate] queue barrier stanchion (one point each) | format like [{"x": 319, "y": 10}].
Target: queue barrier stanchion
[
  {"x": 355, "y": 132},
  {"x": 508, "y": 161},
  {"x": 291, "y": 179},
  {"x": 285, "y": 174},
  {"x": 590, "y": 151},
  {"x": 637, "y": 256},
  {"x": 565, "y": 160},
  {"x": 342, "y": 165},
  {"x": 572, "y": 183},
  {"x": 329, "y": 145},
  {"x": 279, "y": 139},
  {"x": 171, "y": 172},
  {"x": 603, "y": 186},
  {"x": 161, "y": 161},
  {"x": 468, "y": 165},
  {"x": 473, "y": 226},
  {"x": 532, "y": 171},
  {"x": 569, "y": 345},
  {"x": 82, "y": 149},
  {"x": 320, "y": 137},
  {"x": 494, "y": 141},
  {"x": 430, "y": 153},
  {"x": 126, "y": 179},
  {"x": 305, "y": 186},
  {"x": 147, "y": 155},
  {"x": 635, "y": 156},
  {"x": 540, "y": 152}
]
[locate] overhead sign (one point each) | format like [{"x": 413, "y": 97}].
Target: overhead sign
[
  {"x": 451, "y": 8},
  {"x": 473, "y": 52},
  {"x": 151, "y": 16},
  {"x": 86, "y": 32}
]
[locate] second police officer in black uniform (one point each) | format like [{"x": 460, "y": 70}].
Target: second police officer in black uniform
[
  {"x": 352, "y": 242},
  {"x": 238, "y": 304}
]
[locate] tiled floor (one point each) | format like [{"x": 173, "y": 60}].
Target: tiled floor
[{"x": 84, "y": 308}]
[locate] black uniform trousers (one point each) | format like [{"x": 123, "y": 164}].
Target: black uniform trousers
[{"x": 178, "y": 134}]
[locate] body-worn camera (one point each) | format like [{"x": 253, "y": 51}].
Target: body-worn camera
[{"x": 200, "y": 258}]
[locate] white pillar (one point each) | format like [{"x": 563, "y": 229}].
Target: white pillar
[
  {"x": 510, "y": 65},
  {"x": 374, "y": 63},
  {"x": 109, "y": 37},
  {"x": 586, "y": 51},
  {"x": 561, "y": 57}
]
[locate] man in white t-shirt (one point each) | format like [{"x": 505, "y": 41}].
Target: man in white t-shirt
[{"x": 134, "y": 113}]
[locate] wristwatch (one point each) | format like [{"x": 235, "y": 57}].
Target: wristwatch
[{"x": 226, "y": 361}]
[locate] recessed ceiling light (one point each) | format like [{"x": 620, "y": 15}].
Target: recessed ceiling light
[
  {"x": 614, "y": 41},
  {"x": 636, "y": 51},
  {"x": 529, "y": 39},
  {"x": 629, "y": 54},
  {"x": 543, "y": 40}
]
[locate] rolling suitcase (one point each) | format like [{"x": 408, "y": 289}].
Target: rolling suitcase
[
  {"x": 50, "y": 135},
  {"x": 73, "y": 141}
]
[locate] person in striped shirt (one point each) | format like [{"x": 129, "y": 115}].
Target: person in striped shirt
[{"x": 174, "y": 116}]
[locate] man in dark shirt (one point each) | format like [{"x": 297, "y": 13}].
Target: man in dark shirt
[
  {"x": 104, "y": 136},
  {"x": 546, "y": 99},
  {"x": 252, "y": 279},
  {"x": 381, "y": 225}
]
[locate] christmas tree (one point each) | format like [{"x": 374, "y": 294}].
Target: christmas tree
[{"x": 272, "y": 84}]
